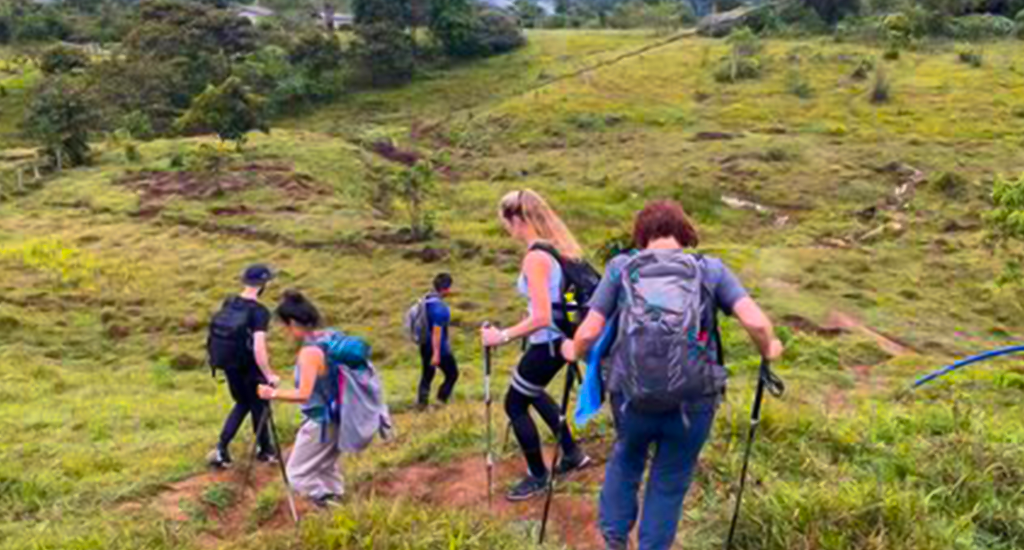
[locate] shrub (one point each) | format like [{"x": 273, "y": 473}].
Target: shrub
[
  {"x": 530, "y": 14},
  {"x": 229, "y": 110},
  {"x": 970, "y": 56},
  {"x": 316, "y": 53},
  {"x": 892, "y": 53},
  {"x": 498, "y": 33},
  {"x": 416, "y": 187},
  {"x": 880, "y": 92},
  {"x": 385, "y": 53},
  {"x": 375, "y": 12},
  {"x": 60, "y": 117},
  {"x": 664, "y": 17},
  {"x": 742, "y": 62},
  {"x": 62, "y": 59},
  {"x": 452, "y": 25},
  {"x": 863, "y": 69},
  {"x": 1020, "y": 25},
  {"x": 1005, "y": 219},
  {"x": 799, "y": 86},
  {"x": 981, "y": 27}
]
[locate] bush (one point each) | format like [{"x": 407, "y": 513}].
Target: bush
[
  {"x": 385, "y": 54},
  {"x": 498, "y": 33},
  {"x": 530, "y": 13},
  {"x": 864, "y": 68},
  {"x": 971, "y": 57},
  {"x": 664, "y": 17},
  {"x": 799, "y": 85},
  {"x": 62, "y": 59},
  {"x": 452, "y": 25},
  {"x": 1005, "y": 219},
  {"x": 981, "y": 27},
  {"x": 230, "y": 110},
  {"x": 951, "y": 184},
  {"x": 60, "y": 117},
  {"x": 742, "y": 62},
  {"x": 316, "y": 53}
]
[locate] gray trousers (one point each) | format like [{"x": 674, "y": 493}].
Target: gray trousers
[{"x": 313, "y": 465}]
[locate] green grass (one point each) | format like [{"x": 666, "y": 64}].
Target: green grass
[
  {"x": 16, "y": 79},
  {"x": 102, "y": 302}
]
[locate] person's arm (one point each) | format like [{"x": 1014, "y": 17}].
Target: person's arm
[
  {"x": 311, "y": 364},
  {"x": 586, "y": 335},
  {"x": 537, "y": 267},
  {"x": 435, "y": 342},
  {"x": 259, "y": 348},
  {"x": 759, "y": 327}
]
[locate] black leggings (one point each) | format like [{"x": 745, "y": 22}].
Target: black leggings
[
  {"x": 242, "y": 383},
  {"x": 451, "y": 374},
  {"x": 538, "y": 367}
]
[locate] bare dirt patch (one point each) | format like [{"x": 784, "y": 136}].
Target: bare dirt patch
[
  {"x": 843, "y": 321},
  {"x": 157, "y": 186},
  {"x": 463, "y": 484}
]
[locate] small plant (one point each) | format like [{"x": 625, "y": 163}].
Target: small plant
[
  {"x": 799, "y": 86},
  {"x": 863, "y": 69},
  {"x": 415, "y": 186},
  {"x": 951, "y": 184},
  {"x": 880, "y": 90},
  {"x": 891, "y": 54},
  {"x": 219, "y": 495},
  {"x": 267, "y": 503},
  {"x": 742, "y": 62},
  {"x": 971, "y": 57}
]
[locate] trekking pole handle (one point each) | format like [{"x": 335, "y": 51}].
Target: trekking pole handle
[{"x": 775, "y": 386}]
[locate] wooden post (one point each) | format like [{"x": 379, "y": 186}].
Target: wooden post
[
  {"x": 21, "y": 179},
  {"x": 35, "y": 171},
  {"x": 60, "y": 159}
]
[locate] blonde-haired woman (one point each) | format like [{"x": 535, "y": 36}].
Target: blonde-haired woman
[{"x": 530, "y": 220}]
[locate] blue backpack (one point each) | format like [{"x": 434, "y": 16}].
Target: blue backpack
[{"x": 340, "y": 351}]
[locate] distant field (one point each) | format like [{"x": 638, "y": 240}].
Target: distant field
[{"x": 107, "y": 274}]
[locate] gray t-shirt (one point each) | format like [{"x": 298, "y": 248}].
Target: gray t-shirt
[{"x": 725, "y": 288}]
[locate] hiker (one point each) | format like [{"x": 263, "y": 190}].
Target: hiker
[
  {"x": 656, "y": 400},
  {"x": 237, "y": 344},
  {"x": 530, "y": 220},
  {"x": 435, "y": 348},
  {"x": 313, "y": 464}
]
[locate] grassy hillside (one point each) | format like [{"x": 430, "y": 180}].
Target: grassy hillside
[{"x": 110, "y": 272}]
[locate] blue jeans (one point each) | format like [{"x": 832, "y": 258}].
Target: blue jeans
[{"x": 677, "y": 446}]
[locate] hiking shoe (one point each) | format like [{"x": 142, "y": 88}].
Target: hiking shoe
[
  {"x": 528, "y": 488},
  {"x": 330, "y": 500},
  {"x": 570, "y": 464},
  {"x": 266, "y": 457},
  {"x": 219, "y": 458}
]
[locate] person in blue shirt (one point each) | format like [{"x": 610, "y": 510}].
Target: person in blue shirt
[{"x": 436, "y": 350}]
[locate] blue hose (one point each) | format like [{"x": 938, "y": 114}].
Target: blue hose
[{"x": 968, "y": 361}]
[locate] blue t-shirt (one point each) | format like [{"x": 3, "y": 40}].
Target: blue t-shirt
[{"x": 438, "y": 315}]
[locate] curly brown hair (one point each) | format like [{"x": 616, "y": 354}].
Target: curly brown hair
[{"x": 664, "y": 218}]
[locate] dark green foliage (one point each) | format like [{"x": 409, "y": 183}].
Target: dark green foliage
[
  {"x": 664, "y": 16},
  {"x": 5, "y": 30},
  {"x": 743, "y": 62},
  {"x": 316, "y": 53},
  {"x": 372, "y": 12},
  {"x": 229, "y": 110},
  {"x": 497, "y": 33},
  {"x": 416, "y": 187},
  {"x": 530, "y": 14},
  {"x": 864, "y": 68},
  {"x": 137, "y": 87},
  {"x": 385, "y": 54},
  {"x": 981, "y": 27},
  {"x": 452, "y": 23},
  {"x": 1006, "y": 219},
  {"x": 30, "y": 22},
  {"x": 62, "y": 59},
  {"x": 60, "y": 118},
  {"x": 832, "y": 11}
]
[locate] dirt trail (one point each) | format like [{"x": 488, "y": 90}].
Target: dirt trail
[
  {"x": 463, "y": 484},
  {"x": 842, "y": 321}
]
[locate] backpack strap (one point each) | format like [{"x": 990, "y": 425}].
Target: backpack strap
[
  {"x": 550, "y": 249},
  {"x": 710, "y": 297}
]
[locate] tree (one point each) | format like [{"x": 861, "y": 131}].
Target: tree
[
  {"x": 229, "y": 110},
  {"x": 62, "y": 59},
  {"x": 371, "y": 12},
  {"x": 317, "y": 53},
  {"x": 59, "y": 117},
  {"x": 452, "y": 23},
  {"x": 385, "y": 53},
  {"x": 529, "y": 12},
  {"x": 416, "y": 186}
]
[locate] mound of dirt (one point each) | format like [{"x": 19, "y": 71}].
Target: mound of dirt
[{"x": 157, "y": 186}]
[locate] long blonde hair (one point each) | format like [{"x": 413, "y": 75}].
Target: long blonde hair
[{"x": 529, "y": 206}]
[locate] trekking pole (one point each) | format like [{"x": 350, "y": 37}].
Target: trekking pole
[
  {"x": 280, "y": 462},
  {"x": 563, "y": 426},
  {"x": 260, "y": 426},
  {"x": 766, "y": 380},
  {"x": 487, "y": 403}
]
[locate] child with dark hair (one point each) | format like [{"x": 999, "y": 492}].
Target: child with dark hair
[{"x": 435, "y": 349}]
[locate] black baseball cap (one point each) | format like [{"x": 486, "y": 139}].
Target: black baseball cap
[{"x": 257, "y": 275}]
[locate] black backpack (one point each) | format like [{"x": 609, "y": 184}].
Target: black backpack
[
  {"x": 229, "y": 343},
  {"x": 579, "y": 281}
]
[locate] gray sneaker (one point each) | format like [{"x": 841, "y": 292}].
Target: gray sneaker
[
  {"x": 219, "y": 458},
  {"x": 528, "y": 488}
]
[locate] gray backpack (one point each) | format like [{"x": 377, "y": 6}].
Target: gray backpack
[
  {"x": 415, "y": 321},
  {"x": 665, "y": 350}
]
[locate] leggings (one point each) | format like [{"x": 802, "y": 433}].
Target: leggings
[{"x": 539, "y": 365}]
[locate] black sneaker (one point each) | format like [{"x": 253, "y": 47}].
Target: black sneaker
[
  {"x": 570, "y": 464},
  {"x": 528, "y": 488},
  {"x": 219, "y": 458}
]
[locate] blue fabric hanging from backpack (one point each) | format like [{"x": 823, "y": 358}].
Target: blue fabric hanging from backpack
[{"x": 592, "y": 394}]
